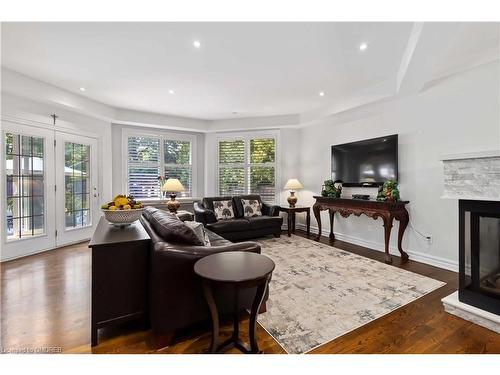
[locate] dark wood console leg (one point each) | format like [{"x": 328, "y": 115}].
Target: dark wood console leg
[
  {"x": 332, "y": 217},
  {"x": 293, "y": 222},
  {"x": 317, "y": 215},
  {"x": 93, "y": 335},
  {"x": 404, "y": 218},
  {"x": 289, "y": 223},
  {"x": 308, "y": 222},
  {"x": 387, "y": 235},
  {"x": 259, "y": 296},
  {"x": 207, "y": 290},
  {"x": 158, "y": 342}
]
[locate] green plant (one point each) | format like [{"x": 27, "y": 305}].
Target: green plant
[
  {"x": 388, "y": 192},
  {"x": 330, "y": 190}
]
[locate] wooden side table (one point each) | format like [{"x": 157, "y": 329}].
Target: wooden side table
[
  {"x": 291, "y": 211},
  {"x": 236, "y": 270}
]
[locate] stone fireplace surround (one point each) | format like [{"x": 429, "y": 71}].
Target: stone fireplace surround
[{"x": 473, "y": 176}]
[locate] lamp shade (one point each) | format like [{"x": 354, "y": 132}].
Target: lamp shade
[
  {"x": 172, "y": 185},
  {"x": 293, "y": 184}
]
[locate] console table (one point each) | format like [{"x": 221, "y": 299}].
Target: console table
[
  {"x": 120, "y": 263},
  {"x": 346, "y": 207}
]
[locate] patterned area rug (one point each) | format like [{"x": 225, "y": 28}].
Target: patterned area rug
[{"x": 319, "y": 292}]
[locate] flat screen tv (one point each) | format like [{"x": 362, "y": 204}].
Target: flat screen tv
[{"x": 366, "y": 163}]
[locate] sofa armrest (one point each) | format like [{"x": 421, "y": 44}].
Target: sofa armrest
[
  {"x": 203, "y": 215},
  {"x": 270, "y": 210}
]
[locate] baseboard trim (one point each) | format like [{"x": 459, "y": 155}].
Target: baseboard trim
[{"x": 414, "y": 255}]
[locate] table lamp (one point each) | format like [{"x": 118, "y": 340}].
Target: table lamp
[
  {"x": 292, "y": 185},
  {"x": 172, "y": 186}
]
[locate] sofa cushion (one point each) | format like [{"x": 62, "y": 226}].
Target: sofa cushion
[
  {"x": 223, "y": 209},
  {"x": 171, "y": 229},
  {"x": 215, "y": 239},
  {"x": 233, "y": 225},
  {"x": 199, "y": 229},
  {"x": 251, "y": 207},
  {"x": 208, "y": 202},
  {"x": 238, "y": 204},
  {"x": 148, "y": 212},
  {"x": 259, "y": 222}
]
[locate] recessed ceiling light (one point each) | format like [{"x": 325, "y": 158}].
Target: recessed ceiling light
[
  {"x": 172, "y": 92},
  {"x": 363, "y": 46},
  {"x": 321, "y": 93},
  {"x": 82, "y": 88},
  {"x": 197, "y": 44}
]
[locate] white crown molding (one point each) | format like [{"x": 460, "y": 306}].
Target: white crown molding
[{"x": 416, "y": 73}]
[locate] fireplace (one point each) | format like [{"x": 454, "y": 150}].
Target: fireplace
[{"x": 479, "y": 254}]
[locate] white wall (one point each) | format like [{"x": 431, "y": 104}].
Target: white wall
[{"x": 454, "y": 115}]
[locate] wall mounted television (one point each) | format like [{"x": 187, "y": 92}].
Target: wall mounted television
[{"x": 367, "y": 163}]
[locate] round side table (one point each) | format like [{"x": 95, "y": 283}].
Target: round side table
[{"x": 236, "y": 270}]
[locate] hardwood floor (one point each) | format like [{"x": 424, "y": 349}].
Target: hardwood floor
[{"x": 45, "y": 302}]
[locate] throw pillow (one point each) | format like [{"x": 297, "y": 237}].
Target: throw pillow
[
  {"x": 251, "y": 207},
  {"x": 199, "y": 229},
  {"x": 171, "y": 229},
  {"x": 223, "y": 210}
]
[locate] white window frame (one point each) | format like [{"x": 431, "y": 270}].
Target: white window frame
[
  {"x": 162, "y": 136},
  {"x": 246, "y": 137}
]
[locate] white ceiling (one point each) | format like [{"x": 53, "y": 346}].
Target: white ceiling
[{"x": 254, "y": 69}]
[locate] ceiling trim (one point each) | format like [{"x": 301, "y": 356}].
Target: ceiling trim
[{"x": 415, "y": 73}]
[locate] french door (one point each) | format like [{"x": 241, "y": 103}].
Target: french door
[
  {"x": 28, "y": 212},
  {"x": 49, "y": 189},
  {"x": 77, "y": 193}
]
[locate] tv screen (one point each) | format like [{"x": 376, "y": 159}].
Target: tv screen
[{"x": 366, "y": 163}]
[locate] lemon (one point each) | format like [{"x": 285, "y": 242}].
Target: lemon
[
  {"x": 113, "y": 208},
  {"x": 126, "y": 207}
]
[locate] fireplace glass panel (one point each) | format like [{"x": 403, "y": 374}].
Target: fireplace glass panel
[
  {"x": 489, "y": 254},
  {"x": 467, "y": 249}
]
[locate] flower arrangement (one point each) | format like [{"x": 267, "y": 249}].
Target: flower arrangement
[{"x": 162, "y": 181}]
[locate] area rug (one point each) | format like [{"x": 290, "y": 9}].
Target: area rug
[{"x": 318, "y": 292}]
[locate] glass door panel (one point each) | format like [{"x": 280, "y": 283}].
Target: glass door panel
[
  {"x": 77, "y": 199},
  {"x": 26, "y": 221}
]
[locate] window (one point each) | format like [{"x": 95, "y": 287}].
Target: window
[
  {"x": 150, "y": 157},
  {"x": 143, "y": 167},
  {"x": 76, "y": 185},
  {"x": 248, "y": 166},
  {"x": 177, "y": 164},
  {"x": 25, "y": 186}
]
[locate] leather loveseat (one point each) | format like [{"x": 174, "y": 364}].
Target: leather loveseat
[
  {"x": 176, "y": 298},
  {"x": 240, "y": 227}
]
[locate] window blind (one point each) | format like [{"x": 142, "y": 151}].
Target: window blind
[
  {"x": 247, "y": 166},
  {"x": 143, "y": 167}
]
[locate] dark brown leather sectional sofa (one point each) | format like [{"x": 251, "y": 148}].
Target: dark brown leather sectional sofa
[
  {"x": 240, "y": 227},
  {"x": 176, "y": 299}
]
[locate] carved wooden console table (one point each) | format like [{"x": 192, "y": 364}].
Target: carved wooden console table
[{"x": 388, "y": 211}]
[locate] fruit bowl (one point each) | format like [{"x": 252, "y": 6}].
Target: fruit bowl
[
  {"x": 123, "y": 218},
  {"x": 122, "y": 210}
]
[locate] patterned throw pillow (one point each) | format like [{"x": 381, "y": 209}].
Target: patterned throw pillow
[
  {"x": 223, "y": 210},
  {"x": 199, "y": 229},
  {"x": 251, "y": 207}
]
